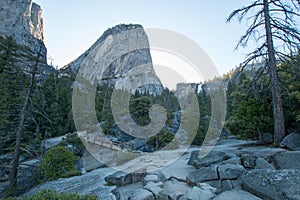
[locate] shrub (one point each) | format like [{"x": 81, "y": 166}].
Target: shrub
[
  {"x": 162, "y": 139},
  {"x": 9, "y": 198},
  {"x": 58, "y": 162},
  {"x": 74, "y": 140}
]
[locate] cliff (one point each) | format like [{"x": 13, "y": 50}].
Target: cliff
[
  {"x": 22, "y": 21},
  {"x": 119, "y": 68}
]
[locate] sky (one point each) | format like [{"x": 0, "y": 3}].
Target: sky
[{"x": 71, "y": 27}]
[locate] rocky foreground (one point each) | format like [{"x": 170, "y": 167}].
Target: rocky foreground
[{"x": 232, "y": 170}]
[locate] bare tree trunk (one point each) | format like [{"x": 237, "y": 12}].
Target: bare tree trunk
[
  {"x": 104, "y": 100},
  {"x": 70, "y": 122},
  {"x": 279, "y": 126},
  {"x": 156, "y": 142},
  {"x": 15, "y": 164}
]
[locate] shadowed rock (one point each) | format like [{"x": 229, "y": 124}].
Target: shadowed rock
[
  {"x": 211, "y": 158},
  {"x": 273, "y": 184},
  {"x": 287, "y": 160},
  {"x": 141, "y": 194},
  {"x": 291, "y": 141},
  {"x": 236, "y": 195},
  {"x": 229, "y": 171},
  {"x": 263, "y": 164},
  {"x": 123, "y": 178},
  {"x": 202, "y": 174}
]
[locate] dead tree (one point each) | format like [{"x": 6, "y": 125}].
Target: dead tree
[
  {"x": 273, "y": 26},
  {"x": 20, "y": 129}
]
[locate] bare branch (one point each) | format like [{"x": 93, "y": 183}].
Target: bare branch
[
  {"x": 242, "y": 12},
  {"x": 250, "y": 32},
  {"x": 287, "y": 12},
  {"x": 259, "y": 73},
  {"x": 284, "y": 57},
  {"x": 255, "y": 55},
  {"x": 291, "y": 32},
  {"x": 297, "y": 7}
]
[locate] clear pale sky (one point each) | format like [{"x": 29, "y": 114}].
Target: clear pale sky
[{"x": 71, "y": 27}]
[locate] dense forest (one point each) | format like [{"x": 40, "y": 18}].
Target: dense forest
[
  {"x": 249, "y": 110},
  {"x": 249, "y": 104}
]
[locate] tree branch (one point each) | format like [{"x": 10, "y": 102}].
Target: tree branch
[{"x": 242, "y": 12}]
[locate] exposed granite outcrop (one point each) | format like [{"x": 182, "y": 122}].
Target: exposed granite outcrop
[
  {"x": 21, "y": 20},
  {"x": 227, "y": 179},
  {"x": 121, "y": 68}
]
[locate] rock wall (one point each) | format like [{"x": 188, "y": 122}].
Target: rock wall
[
  {"x": 117, "y": 69},
  {"x": 22, "y": 20},
  {"x": 75, "y": 65}
]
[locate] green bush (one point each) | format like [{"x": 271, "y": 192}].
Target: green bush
[
  {"x": 162, "y": 139},
  {"x": 139, "y": 110},
  {"x": 53, "y": 195},
  {"x": 58, "y": 162},
  {"x": 9, "y": 198},
  {"x": 202, "y": 130},
  {"x": 74, "y": 140}
]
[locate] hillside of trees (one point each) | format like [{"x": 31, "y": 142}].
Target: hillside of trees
[
  {"x": 249, "y": 101},
  {"x": 249, "y": 110}
]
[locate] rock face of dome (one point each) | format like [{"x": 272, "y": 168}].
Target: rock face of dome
[{"x": 22, "y": 20}]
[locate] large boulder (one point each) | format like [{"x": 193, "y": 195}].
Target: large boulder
[
  {"x": 202, "y": 174},
  {"x": 273, "y": 184},
  {"x": 263, "y": 164},
  {"x": 157, "y": 190},
  {"x": 124, "y": 192},
  {"x": 215, "y": 183},
  {"x": 199, "y": 193},
  {"x": 287, "y": 160},
  {"x": 212, "y": 157},
  {"x": 88, "y": 162},
  {"x": 122, "y": 178},
  {"x": 155, "y": 177},
  {"x": 151, "y": 178},
  {"x": 236, "y": 195},
  {"x": 175, "y": 188},
  {"x": 119, "y": 178},
  {"x": 206, "y": 186},
  {"x": 291, "y": 141},
  {"x": 175, "y": 195},
  {"x": 266, "y": 153},
  {"x": 229, "y": 171},
  {"x": 141, "y": 194},
  {"x": 232, "y": 161},
  {"x": 248, "y": 161},
  {"x": 226, "y": 185}
]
